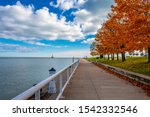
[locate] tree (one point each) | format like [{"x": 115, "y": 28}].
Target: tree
[
  {"x": 127, "y": 28},
  {"x": 137, "y": 13},
  {"x": 112, "y": 35}
]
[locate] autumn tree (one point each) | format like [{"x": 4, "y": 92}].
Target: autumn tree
[
  {"x": 112, "y": 36},
  {"x": 127, "y": 28},
  {"x": 137, "y": 13}
]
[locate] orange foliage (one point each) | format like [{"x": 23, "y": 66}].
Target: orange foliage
[
  {"x": 93, "y": 53},
  {"x": 127, "y": 28}
]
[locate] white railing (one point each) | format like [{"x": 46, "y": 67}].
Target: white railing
[{"x": 62, "y": 79}]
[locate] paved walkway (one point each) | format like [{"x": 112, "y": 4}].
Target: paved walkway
[{"x": 92, "y": 83}]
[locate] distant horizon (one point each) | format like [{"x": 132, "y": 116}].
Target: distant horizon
[{"x": 40, "y": 57}]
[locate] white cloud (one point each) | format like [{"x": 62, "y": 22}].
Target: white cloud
[
  {"x": 90, "y": 23},
  {"x": 81, "y": 2},
  {"x": 8, "y": 45},
  {"x": 93, "y": 14},
  {"x": 90, "y": 14},
  {"x": 37, "y": 43},
  {"x": 20, "y": 22},
  {"x": 88, "y": 41},
  {"x": 64, "y": 4},
  {"x": 68, "y": 4},
  {"x": 43, "y": 44},
  {"x": 15, "y": 48},
  {"x": 25, "y": 49}
]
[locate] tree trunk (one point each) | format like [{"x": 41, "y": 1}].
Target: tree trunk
[
  {"x": 117, "y": 56},
  {"x": 112, "y": 56},
  {"x": 108, "y": 56},
  {"x": 101, "y": 56},
  {"x": 123, "y": 56},
  {"x": 148, "y": 54}
]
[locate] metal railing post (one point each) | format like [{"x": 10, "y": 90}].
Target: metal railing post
[
  {"x": 60, "y": 83},
  {"x": 67, "y": 73},
  {"x": 71, "y": 70},
  {"x": 37, "y": 95}
]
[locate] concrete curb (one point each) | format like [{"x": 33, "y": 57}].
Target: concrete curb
[{"x": 136, "y": 76}]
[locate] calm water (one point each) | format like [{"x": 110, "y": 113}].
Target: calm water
[{"x": 19, "y": 74}]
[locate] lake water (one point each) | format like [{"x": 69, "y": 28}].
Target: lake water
[{"x": 19, "y": 74}]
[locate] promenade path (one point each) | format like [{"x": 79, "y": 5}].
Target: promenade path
[{"x": 92, "y": 83}]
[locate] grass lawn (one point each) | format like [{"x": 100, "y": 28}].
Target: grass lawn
[{"x": 135, "y": 64}]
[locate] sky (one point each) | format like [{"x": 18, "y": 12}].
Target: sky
[{"x": 40, "y": 28}]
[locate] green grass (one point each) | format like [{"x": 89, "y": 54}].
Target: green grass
[{"x": 135, "y": 64}]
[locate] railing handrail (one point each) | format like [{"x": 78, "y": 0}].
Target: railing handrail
[{"x": 31, "y": 91}]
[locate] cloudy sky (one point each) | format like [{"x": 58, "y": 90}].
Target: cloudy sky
[{"x": 40, "y": 28}]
